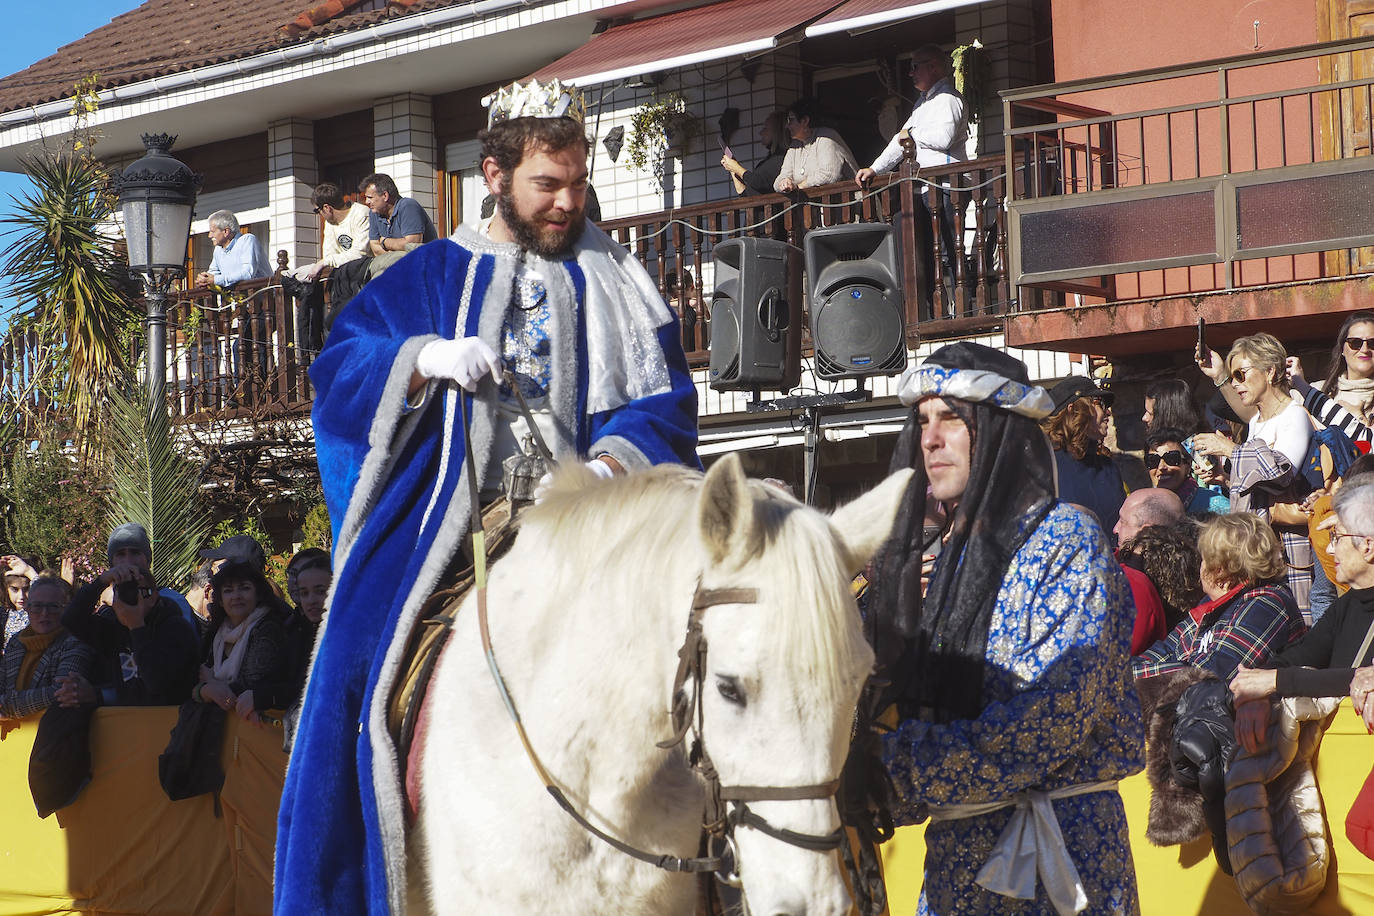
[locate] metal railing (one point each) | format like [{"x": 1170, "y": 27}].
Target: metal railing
[{"x": 1227, "y": 170}]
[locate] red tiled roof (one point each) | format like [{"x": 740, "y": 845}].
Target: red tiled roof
[{"x": 168, "y": 36}]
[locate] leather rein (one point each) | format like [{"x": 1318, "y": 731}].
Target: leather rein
[{"x": 718, "y": 823}]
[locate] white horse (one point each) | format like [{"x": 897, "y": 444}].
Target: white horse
[{"x": 587, "y": 613}]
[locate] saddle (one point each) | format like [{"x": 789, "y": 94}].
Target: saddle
[{"x": 434, "y": 623}]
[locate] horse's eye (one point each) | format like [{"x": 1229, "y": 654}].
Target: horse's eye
[{"x": 729, "y": 689}]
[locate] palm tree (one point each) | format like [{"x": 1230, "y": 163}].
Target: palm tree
[
  {"x": 72, "y": 287},
  {"x": 152, "y": 485}
]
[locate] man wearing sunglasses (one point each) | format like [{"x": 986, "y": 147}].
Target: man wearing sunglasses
[
  {"x": 145, "y": 650},
  {"x": 1169, "y": 462}
]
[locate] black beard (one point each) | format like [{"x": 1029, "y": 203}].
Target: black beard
[{"x": 527, "y": 234}]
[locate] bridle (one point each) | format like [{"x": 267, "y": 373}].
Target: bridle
[{"x": 717, "y": 822}]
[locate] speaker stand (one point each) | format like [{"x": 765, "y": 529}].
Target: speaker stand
[{"x": 811, "y": 407}]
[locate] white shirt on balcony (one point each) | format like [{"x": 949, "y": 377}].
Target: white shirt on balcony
[
  {"x": 242, "y": 259},
  {"x": 938, "y": 124},
  {"x": 820, "y": 159},
  {"x": 348, "y": 240}
]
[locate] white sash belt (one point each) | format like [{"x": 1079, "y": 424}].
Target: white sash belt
[{"x": 1031, "y": 844}]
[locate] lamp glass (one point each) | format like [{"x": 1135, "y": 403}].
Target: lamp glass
[
  {"x": 136, "y": 232},
  {"x": 171, "y": 222}
]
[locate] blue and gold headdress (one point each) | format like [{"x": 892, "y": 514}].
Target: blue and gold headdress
[{"x": 977, "y": 385}]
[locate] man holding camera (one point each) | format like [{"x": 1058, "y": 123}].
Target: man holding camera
[{"x": 146, "y": 652}]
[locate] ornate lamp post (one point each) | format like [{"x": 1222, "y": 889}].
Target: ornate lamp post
[{"x": 156, "y": 195}]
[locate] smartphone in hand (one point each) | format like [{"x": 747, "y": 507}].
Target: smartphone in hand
[{"x": 1204, "y": 356}]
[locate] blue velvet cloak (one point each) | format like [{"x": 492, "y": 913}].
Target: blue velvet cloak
[{"x": 394, "y": 488}]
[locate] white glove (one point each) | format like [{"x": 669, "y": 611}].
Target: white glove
[
  {"x": 599, "y": 468},
  {"x": 464, "y": 360}
]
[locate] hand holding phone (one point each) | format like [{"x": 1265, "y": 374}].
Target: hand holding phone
[{"x": 1204, "y": 356}]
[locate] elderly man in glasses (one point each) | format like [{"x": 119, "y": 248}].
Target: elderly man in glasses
[{"x": 1168, "y": 458}]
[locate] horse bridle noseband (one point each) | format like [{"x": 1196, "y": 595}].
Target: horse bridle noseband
[{"x": 691, "y": 663}]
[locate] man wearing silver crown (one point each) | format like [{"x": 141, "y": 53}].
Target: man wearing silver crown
[{"x": 596, "y": 354}]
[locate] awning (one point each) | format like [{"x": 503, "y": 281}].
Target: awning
[
  {"x": 734, "y": 28},
  {"x": 856, "y": 15}
]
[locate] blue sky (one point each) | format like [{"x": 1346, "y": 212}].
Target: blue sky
[{"x": 41, "y": 29}]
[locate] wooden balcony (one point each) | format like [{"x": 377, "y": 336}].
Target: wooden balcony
[
  {"x": 242, "y": 353},
  {"x": 963, "y": 294}
]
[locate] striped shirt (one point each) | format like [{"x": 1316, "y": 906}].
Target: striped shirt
[
  {"x": 1245, "y": 629},
  {"x": 1331, "y": 413}
]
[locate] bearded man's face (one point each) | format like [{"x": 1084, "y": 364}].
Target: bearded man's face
[{"x": 543, "y": 201}]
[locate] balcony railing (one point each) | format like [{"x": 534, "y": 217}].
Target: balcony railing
[
  {"x": 242, "y": 353},
  {"x": 1244, "y": 173},
  {"x": 946, "y": 293},
  {"x": 237, "y": 352}
]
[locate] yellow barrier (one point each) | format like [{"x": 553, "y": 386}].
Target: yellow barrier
[
  {"x": 1182, "y": 880},
  {"x": 123, "y": 847}
]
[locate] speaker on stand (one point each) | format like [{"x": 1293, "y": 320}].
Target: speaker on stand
[
  {"x": 755, "y": 316},
  {"x": 854, "y": 300}
]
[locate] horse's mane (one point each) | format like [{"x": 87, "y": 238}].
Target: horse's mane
[{"x": 630, "y": 532}]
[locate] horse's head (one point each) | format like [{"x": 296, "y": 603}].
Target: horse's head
[{"x": 783, "y": 671}]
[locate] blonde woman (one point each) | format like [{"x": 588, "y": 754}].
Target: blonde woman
[
  {"x": 1254, "y": 381},
  {"x": 1249, "y": 613}
]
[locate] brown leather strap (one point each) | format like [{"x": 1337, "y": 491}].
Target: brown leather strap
[
  {"x": 710, "y": 597},
  {"x": 779, "y": 793}
]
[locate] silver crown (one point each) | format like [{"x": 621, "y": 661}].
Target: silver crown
[{"x": 535, "y": 100}]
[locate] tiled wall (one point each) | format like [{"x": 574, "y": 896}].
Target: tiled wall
[{"x": 291, "y": 177}]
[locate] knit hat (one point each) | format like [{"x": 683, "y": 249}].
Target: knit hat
[{"x": 129, "y": 534}]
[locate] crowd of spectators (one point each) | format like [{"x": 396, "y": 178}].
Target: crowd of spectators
[{"x": 124, "y": 639}]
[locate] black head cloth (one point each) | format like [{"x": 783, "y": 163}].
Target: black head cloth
[{"x": 932, "y": 650}]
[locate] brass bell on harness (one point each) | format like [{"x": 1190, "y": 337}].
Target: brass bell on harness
[{"x": 521, "y": 473}]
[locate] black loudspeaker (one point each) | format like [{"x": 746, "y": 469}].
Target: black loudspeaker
[
  {"x": 755, "y": 316},
  {"x": 854, "y": 286}
]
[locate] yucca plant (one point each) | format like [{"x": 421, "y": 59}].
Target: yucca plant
[
  {"x": 72, "y": 287},
  {"x": 153, "y": 485}
]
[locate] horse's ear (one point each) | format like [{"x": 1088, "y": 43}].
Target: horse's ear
[
  {"x": 865, "y": 523},
  {"x": 725, "y": 511}
]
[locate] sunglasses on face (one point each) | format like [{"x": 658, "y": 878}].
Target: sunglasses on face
[
  {"x": 1238, "y": 375},
  {"x": 1173, "y": 458},
  {"x": 1359, "y": 343}
]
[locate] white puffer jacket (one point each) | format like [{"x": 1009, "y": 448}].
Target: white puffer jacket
[{"x": 1274, "y": 827}]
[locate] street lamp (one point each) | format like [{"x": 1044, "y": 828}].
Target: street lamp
[{"x": 156, "y": 195}]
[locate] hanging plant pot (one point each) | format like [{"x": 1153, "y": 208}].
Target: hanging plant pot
[{"x": 660, "y": 128}]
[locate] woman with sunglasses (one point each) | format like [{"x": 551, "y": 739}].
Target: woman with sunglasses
[
  {"x": 1168, "y": 461},
  {"x": 1254, "y": 381},
  {"x": 1346, "y": 399},
  {"x": 40, "y": 653},
  {"x": 816, "y": 156}
]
